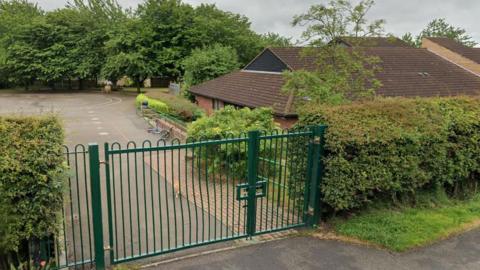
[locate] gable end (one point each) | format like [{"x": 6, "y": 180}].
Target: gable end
[{"x": 267, "y": 62}]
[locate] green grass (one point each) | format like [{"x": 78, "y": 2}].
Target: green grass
[{"x": 408, "y": 227}]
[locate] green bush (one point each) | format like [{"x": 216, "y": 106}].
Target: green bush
[
  {"x": 179, "y": 107},
  {"x": 230, "y": 123},
  {"x": 32, "y": 177},
  {"x": 393, "y": 148},
  {"x": 209, "y": 63},
  {"x": 153, "y": 104}
]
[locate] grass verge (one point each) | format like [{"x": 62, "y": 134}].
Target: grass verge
[{"x": 406, "y": 228}]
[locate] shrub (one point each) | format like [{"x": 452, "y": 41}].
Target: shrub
[
  {"x": 209, "y": 63},
  {"x": 32, "y": 177},
  {"x": 231, "y": 123},
  {"x": 393, "y": 148},
  {"x": 153, "y": 104},
  {"x": 176, "y": 106}
]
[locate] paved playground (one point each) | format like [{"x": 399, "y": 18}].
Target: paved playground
[{"x": 88, "y": 116}]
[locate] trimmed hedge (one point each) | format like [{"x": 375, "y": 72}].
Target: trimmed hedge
[
  {"x": 153, "y": 104},
  {"x": 393, "y": 148},
  {"x": 32, "y": 177},
  {"x": 178, "y": 107}
]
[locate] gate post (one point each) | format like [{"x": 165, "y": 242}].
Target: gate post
[
  {"x": 96, "y": 193},
  {"x": 253, "y": 149},
  {"x": 316, "y": 174}
]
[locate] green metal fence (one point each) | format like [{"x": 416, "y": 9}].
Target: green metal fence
[
  {"x": 72, "y": 247},
  {"x": 167, "y": 196},
  {"x": 164, "y": 197}
]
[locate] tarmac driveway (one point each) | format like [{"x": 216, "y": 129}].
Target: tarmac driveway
[
  {"x": 460, "y": 252},
  {"x": 88, "y": 116}
]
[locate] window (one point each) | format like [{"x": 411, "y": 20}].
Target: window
[{"x": 217, "y": 104}]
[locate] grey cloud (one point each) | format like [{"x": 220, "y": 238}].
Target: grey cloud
[{"x": 402, "y": 16}]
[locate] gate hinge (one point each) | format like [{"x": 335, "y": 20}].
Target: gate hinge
[
  {"x": 310, "y": 211},
  {"x": 317, "y": 140},
  {"x": 103, "y": 162},
  {"x": 107, "y": 248}
]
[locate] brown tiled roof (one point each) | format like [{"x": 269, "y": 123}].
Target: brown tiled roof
[
  {"x": 412, "y": 72},
  {"x": 373, "y": 42},
  {"x": 406, "y": 72},
  {"x": 249, "y": 89},
  {"x": 454, "y": 46}
]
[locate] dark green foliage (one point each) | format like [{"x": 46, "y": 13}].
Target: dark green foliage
[
  {"x": 32, "y": 177},
  {"x": 440, "y": 28},
  {"x": 209, "y": 63},
  {"x": 231, "y": 123},
  {"x": 393, "y": 148},
  {"x": 178, "y": 107}
]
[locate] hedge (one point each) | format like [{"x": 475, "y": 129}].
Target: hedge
[
  {"x": 231, "y": 123},
  {"x": 32, "y": 177},
  {"x": 178, "y": 106},
  {"x": 153, "y": 104},
  {"x": 394, "y": 148}
]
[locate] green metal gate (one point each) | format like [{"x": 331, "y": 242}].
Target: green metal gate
[{"x": 163, "y": 197}]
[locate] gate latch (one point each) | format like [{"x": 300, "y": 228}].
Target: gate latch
[{"x": 242, "y": 190}]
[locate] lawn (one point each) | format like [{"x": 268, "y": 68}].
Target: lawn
[{"x": 407, "y": 228}]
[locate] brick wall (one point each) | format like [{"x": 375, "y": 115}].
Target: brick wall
[
  {"x": 286, "y": 123},
  {"x": 205, "y": 103},
  {"x": 451, "y": 56}
]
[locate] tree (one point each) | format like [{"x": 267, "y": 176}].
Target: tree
[
  {"x": 130, "y": 54},
  {"x": 441, "y": 28},
  {"x": 341, "y": 73},
  {"x": 271, "y": 39},
  {"x": 209, "y": 63},
  {"x": 211, "y": 25}
]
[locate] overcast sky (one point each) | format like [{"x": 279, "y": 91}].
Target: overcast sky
[{"x": 401, "y": 15}]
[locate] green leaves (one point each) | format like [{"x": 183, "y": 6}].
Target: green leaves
[
  {"x": 32, "y": 178},
  {"x": 209, "y": 63},
  {"x": 440, "y": 28},
  {"x": 338, "y": 18},
  {"x": 393, "y": 148}
]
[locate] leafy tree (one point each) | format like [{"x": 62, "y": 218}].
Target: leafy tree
[
  {"x": 209, "y": 63},
  {"x": 130, "y": 53},
  {"x": 211, "y": 25},
  {"x": 275, "y": 40},
  {"x": 14, "y": 15},
  {"x": 166, "y": 22},
  {"x": 342, "y": 74},
  {"x": 441, "y": 28},
  {"x": 410, "y": 39}
]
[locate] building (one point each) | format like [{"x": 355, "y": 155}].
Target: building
[
  {"x": 455, "y": 52},
  {"x": 405, "y": 71}
]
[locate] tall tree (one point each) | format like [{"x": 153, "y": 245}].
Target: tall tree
[
  {"x": 441, "y": 28},
  {"x": 130, "y": 53},
  {"x": 341, "y": 74},
  {"x": 209, "y": 63}
]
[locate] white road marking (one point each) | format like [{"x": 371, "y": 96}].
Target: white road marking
[
  {"x": 97, "y": 123},
  {"x": 95, "y": 119},
  {"x": 103, "y": 133}
]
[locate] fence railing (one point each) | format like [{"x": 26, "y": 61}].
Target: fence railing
[{"x": 163, "y": 197}]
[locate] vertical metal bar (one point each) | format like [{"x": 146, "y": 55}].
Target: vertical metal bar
[
  {"x": 79, "y": 204},
  {"x": 96, "y": 194},
  {"x": 109, "y": 201},
  {"x": 187, "y": 196},
  {"x": 253, "y": 149},
  {"x": 314, "y": 203},
  {"x": 144, "y": 194},
  {"x": 159, "y": 198},
  {"x": 172, "y": 169}
]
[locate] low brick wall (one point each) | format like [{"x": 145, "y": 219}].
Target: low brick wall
[{"x": 177, "y": 131}]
